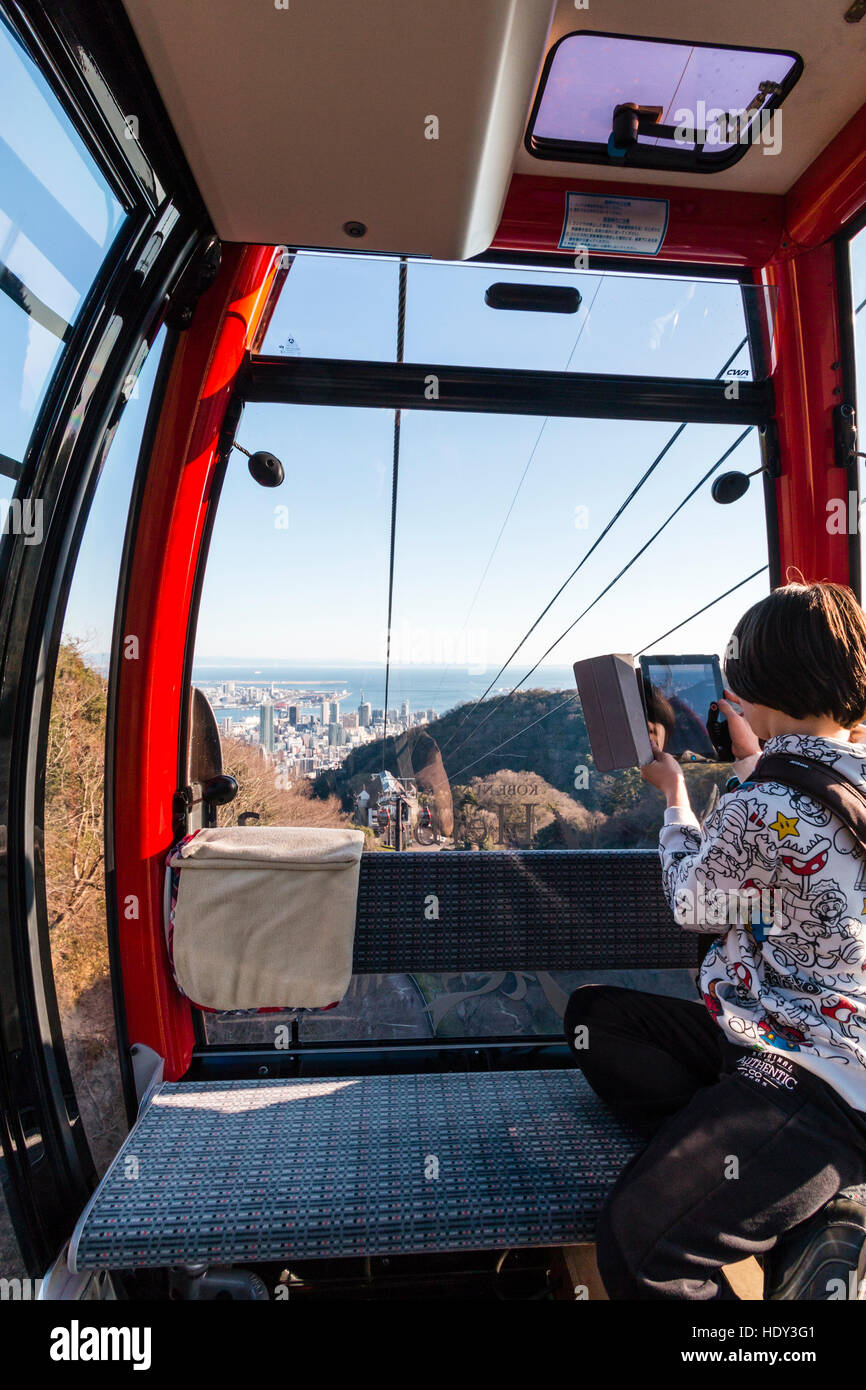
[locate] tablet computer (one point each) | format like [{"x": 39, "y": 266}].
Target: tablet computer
[{"x": 677, "y": 694}]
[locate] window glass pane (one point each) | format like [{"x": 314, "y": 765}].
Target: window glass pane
[
  {"x": 58, "y": 218},
  {"x": 494, "y": 513},
  {"x": 630, "y": 324},
  {"x": 336, "y": 306},
  {"x": 346, "y": 306},
  {"x": 679, "y": 82},
  {"x": 74, "y": 791}
]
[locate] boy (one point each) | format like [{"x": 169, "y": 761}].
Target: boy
[{"x": 755, "y": 1100}]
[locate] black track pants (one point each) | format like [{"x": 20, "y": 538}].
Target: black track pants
[{"x": 743, "y": 1144}]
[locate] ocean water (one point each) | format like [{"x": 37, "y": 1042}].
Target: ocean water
[{"x": 425, "y": 687}]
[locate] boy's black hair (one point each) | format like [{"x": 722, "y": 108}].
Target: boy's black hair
[{"x": 802, "y": 650}]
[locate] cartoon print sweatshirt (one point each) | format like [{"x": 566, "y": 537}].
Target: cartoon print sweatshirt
[{"x": 791, "y": 979}]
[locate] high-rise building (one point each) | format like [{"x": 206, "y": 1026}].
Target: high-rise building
[
  {"x": 333, "y": 711},
  {"x": 431, "y": 715},
  {"x": 404, "y": 711},
  {"x": 349, "y": 721},
  {"x": 365, "y": 714},
  {"x": 378, "y": 716},
  {"x": 293, "y": 715},
  {"x": 227, "y": 724},
  {"x": 266, "y": 726},
  {"x": 336, "y": 737}
]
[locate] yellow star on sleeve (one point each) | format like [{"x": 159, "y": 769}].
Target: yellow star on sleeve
[{"x": 784, "y": 825}]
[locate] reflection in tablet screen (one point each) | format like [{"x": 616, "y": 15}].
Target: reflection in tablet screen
[{"x": 678, "y": 696}]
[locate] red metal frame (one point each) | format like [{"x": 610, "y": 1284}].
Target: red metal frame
[
  {"x": 808, "y": 384},
  {"x": 705, "y": 226},
  {"x": 150, "y": 689},
  {"x": 832, "y": 191},
  {"x": 808, "y": 355}
]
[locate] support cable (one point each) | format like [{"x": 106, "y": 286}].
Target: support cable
[
  {"x": 596, "y": 543},
  {"x": 571, "y": 698},
  {"x": 688, "y": 497},
  {"x": 401, "y": 336}
]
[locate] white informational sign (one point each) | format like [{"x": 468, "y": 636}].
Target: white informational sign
[{"x": 609, "y": 223}]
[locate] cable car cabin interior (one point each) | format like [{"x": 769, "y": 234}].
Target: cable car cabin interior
[{"x": 364, "y": 368}]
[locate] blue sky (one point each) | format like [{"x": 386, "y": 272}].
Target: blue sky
[
  {"x": 318, "y": 589},
  {"x": 57, "y": 220}
]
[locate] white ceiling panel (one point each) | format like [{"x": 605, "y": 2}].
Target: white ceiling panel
[{"x": 300, "y": 119}]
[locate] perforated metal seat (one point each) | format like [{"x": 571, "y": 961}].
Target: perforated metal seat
[{"x": 223, "y": 1172}]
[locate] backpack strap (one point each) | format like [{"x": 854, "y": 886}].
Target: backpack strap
[{"x": 846, "y": 801}]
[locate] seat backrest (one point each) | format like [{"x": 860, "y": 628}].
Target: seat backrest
[{"x": 516, "y": 910}]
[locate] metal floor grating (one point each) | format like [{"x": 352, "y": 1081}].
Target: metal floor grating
[{"x": 241, "y": 1171}]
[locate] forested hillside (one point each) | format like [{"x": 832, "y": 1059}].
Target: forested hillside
[{"x": 538, "y": 736}]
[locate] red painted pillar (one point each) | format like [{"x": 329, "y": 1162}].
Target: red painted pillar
[
  {"x": 807, "y": 367},
  {"x": 150, "y": 687},
  {"x": 808, "y": 385}
]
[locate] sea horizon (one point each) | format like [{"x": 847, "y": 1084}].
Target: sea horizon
[{"x": 425, "y": 687}]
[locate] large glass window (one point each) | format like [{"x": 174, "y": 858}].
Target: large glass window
[
  {"x": 486, "y": 744},
  {"x": 58, "y": 218},
  {"x": 495, "y": 512},
  {"x": 670, "y": 326},
  {"x": 74, "y": 791}
]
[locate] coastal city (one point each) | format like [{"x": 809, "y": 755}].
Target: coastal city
[{"x": 305, "y": 731}]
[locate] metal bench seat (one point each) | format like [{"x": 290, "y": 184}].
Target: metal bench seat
[
  {"x": 252, "y": 1170},
  {"x": 257, "y": 1170}
]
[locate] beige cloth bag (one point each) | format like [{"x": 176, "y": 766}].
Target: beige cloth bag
[{"x": 265, "y": 916}]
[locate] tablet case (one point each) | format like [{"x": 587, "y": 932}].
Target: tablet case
[{"x": 613, "y": 711}]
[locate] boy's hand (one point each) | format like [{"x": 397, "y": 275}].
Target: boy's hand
[
  {"x": 665, "y": 773},
  {"x": 744, "y": 740}
]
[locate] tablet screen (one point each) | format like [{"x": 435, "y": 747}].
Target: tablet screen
[{"x": 678, "y": 692}]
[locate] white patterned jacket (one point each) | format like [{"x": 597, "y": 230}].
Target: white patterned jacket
[{"x": 788, "y": 972}]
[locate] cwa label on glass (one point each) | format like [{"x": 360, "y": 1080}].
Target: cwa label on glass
[{"x": 603, "y": 222}]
